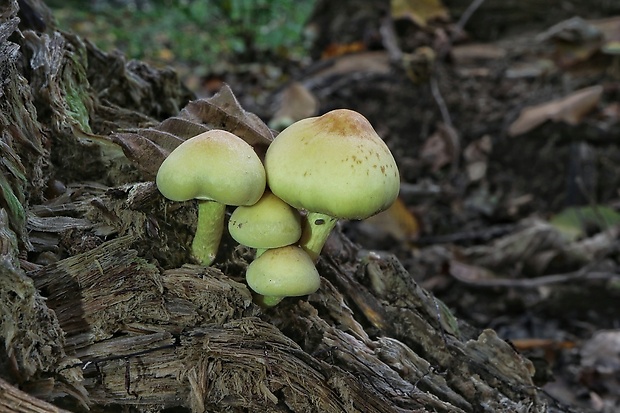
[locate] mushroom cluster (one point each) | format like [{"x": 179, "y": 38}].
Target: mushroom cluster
[{"x": 332, "y": 167}]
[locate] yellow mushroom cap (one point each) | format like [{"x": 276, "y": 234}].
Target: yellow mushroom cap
[
  {"x": 217, "y": 166},
  {"x": 335, "y": 164},
  {"x": 269, "y": 223},
  {"x": 283, "y": 272}
]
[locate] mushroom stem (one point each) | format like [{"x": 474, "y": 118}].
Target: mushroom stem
[
  {"x": 268, "y": 300},
  {"x": 208, "y": 231},
  {"x": 316, "y": 229}
]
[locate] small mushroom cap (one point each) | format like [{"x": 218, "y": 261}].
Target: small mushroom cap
[
  {"x": 217, "y": 166},
  {"x": 335, "y": 164},
  {"x": 269, "y": 223},
  {"x": 283, "y": 272}
]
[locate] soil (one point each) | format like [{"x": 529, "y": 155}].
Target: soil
[{"x": 469, "y": 295}]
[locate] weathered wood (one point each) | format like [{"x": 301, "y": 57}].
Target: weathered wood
[
  {"x": 16, "y": 401},
  {"x": 161, "y": 330}
]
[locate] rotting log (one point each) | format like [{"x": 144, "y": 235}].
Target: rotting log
[{"x": 100, "y": 311}]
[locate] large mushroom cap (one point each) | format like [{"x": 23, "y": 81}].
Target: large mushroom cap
[
  {"x": 216, "y": 165},
  {"x": 335, "y": 164},
  {"x": 269, "y": 223},
  {"x": 283, "y": 272}
]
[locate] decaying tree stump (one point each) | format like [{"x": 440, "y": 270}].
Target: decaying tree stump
[{"x": 101, "y": 309}]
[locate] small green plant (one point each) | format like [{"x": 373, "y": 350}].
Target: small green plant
[
  {"x": 194, "y": 32},
  {"x": 269, "y": 25}
]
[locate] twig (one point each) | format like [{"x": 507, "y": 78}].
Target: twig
[
  {"x": 390, "y": 39},
  {"x": 471, "y": 9},
  {"x": 485, "y": 234},
  {"x": 582, "y": 274},
  {"x": 441, "y": 103},
  {"x": 448, "y": 129}
]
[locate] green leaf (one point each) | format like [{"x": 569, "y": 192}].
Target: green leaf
[{"x": 573, "y": 222}]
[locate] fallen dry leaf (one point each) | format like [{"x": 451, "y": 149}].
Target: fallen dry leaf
[
  {"x": 476, "y": 52},
  {"x": 575, "y": 40},
  {"x": 139, "y": 149},
  {"x": 551, "y": 348},
  {"x": 223, "y": 111},
  {"x": 441, "y": 148},
  {"x": 421, "y": 12},
  {"x": 530, "y": 69},
  {"x": 181, "y": 128},
  {"x": 470, "y": 274},
  {"x": 147, "y": 148},
  {"x": 297, "y": 103},
  {"x": 397, "y": 221},
  {"x": 436, "y": 151},
  {"x": 600, "y": 362},
  {"x": 523, "y": 344},
  {"x": 339, "y": 49},
  {"x": 611, "y": 111},
  {"x": 372, "y": 62},
  {"x": 476, "y": 156},
  {"x": 570, "y": 109},
  {"x": 610, "y": 27}
]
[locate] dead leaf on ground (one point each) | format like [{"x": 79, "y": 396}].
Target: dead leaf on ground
[
  {"x": 531, "y": 69},
  {"x": 339, "y": 49},
  {"x": 570, "y": 109},
  {"x": 476, "y": 52},
  {"x": 611, "y": 111},
  {"x": 523, "y": 344},
  {"x": 600, "y": 363},
  {"x": 575, "y": 40},
  {"x": 609, "y": 26},
  {"x": 373, "y": 62},
  {"x": 476, "y": 156},
  {"x": 421, "y": 12},
  {"x": 396, "y": 221},
  {"x": 470, "y": 274},
  {"x": 297, "y": 103},
  {"x": 441, "y": 148}
]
